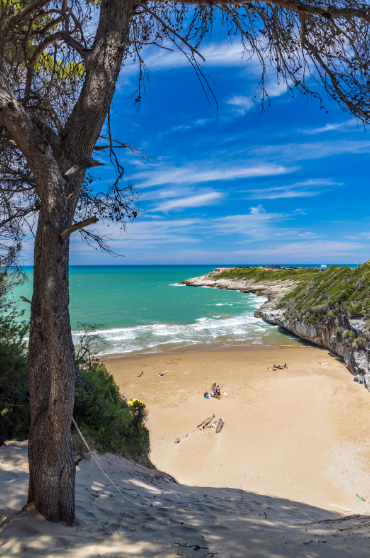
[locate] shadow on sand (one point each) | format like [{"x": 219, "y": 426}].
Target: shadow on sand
[{"x": 167, "y": 520}]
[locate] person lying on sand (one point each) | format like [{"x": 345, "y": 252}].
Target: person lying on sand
[
  {"x": 213, "y": 389},
  {"x": 161, "y": 374},
  {"x": 218, "y": 392},
  {"x": 280, "y": 366}
]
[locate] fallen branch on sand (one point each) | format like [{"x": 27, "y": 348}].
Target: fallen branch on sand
[
  {"x": 202, "y": 424},
  {"x": 220, "y": 425}
]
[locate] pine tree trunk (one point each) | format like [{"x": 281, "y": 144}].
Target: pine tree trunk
[
  {"x": 51, "y": 367},
  {"x": 51, "y": 352}
]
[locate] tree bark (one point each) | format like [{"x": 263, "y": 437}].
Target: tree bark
[
  {"x": 51, "y": 366},
  {"x": 51, "y": 352}
]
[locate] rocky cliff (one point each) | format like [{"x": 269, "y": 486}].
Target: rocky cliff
[{"x": 337, "y": 322}]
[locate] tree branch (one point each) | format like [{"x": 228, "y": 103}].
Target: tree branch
[
  {"x": 27, "y": 136},
  {"x": 293, "y": 5},
  {"x": 48, "y": 132},
  {"x": 86, "y": 163},
  {"x": 173, "y": 31},
  {"x": 69, "y": 230},
  {"x": 22, "y": 14}
]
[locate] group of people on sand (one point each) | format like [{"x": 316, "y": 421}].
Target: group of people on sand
[
  {"x": 277, "y": 367},
  {"x": 215, "y": 392}
]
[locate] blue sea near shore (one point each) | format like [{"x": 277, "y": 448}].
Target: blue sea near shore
[{"x": 142, "y": 309}]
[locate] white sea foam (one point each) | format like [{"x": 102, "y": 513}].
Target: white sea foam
[
  {"x": 160, "y": 337},
  {"x": 176, "y": 285}
]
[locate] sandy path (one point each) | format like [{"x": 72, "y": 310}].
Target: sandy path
[{"x": 300, "y": 433}]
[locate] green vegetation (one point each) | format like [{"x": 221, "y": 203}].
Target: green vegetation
[
  {"x": 106, "y": 420},
  {"x": 259, "y": 274},
  {"x": 14, "y": 403},
  {"x": 338, "y": 290}
]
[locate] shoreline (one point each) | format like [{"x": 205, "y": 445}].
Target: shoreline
[{"x": 301, "y": 343}]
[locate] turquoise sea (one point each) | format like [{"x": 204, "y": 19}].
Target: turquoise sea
[{"x": 142, "y": 309}]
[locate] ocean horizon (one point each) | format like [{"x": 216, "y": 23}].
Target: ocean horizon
[{"x": 139, "y": 309}]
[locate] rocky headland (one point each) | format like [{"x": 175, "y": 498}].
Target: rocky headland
[{"x": 329, "y": 308}]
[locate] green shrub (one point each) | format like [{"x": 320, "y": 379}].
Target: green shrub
[
  {"x": 14, "y": 402},
  {"x": 361, "y": 342},
  {"x": 338, "y": 332},
  {"x": 105, "y": 418}
]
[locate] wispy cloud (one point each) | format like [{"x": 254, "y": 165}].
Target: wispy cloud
[
  {"x": 206, "y": 171},
  {"x": 324, "y": 251},
  {"x": 258, "y": 224},
  {"x": 200, "y": 122},
  {"x": 305, "y": 250},
  {"x": 223, "y": 54},
  {"x": 296, "y": 190},
  {"x": 314, "y": 150},
  {"x": 143, "y": 234},
  {"x": 199, "y": 200},
  {"x": 241, "y": 105},
  {"x": 337, "y": 126},
  {"x": 360, "y": 236}
]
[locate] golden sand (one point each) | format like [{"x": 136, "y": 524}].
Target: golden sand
[{"x": 294, "y": 450}]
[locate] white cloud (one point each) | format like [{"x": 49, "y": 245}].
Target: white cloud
[
  {"x": 200, "y": 122},
  {"x": 191, "y": 201},
  {"x": 222, "y": 54},
  {"x": 305, "y": 250},
  {"x": 322, "y": 251},
  {"x": 338, "y": 126},
  {"x": 240, "y": 104},
  {"x": 296, "y": 190},
  {"x": 360, "y": 236},
  {"x": 257, "y": 225},
  {"x": 206, "y": 171},
  {"x": 144, "y": 234},
  {"x": 314, "y": 150}
]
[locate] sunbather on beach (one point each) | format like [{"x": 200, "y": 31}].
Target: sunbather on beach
[
  {"x": 213, "y": 389},
  {"x": 218, "y": 392}
]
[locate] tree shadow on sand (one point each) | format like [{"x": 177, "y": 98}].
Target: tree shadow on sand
[{"x": 159, "y": 518}]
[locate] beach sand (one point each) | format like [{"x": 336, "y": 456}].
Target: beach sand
[
  {"x": 300, "y": 433},
  {"x": 294, "y": 451}
]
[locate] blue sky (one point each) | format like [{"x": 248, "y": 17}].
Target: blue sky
[{"x": 233, "y": 186}]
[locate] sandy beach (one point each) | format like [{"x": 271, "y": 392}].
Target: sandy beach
[
  {"x": 280, "y": 480},
  {"x": 299, "y": 433}
]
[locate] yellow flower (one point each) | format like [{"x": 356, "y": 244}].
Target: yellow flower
[{"x": 135, "y": 402}]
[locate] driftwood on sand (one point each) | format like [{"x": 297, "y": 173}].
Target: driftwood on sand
[
  {"x": 202, "y": 424},
  {"x": 220, "y": 425}
]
